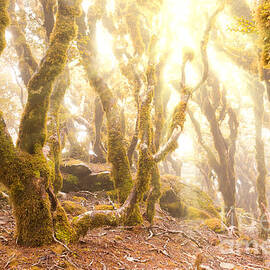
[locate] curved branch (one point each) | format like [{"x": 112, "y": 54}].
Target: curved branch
[
  {"x": 48, "y": 10},
  {"x": 27, "y": 63},
  {"x": 211, "y": 156},
  {"x": 32, "y": 133},
  {"x": 3, "y": 23},
  {"x": 7, "y": 149},
  {"x": 117, "y": 153},
  {"x": 7, "y": 153},
  {"x": 180, "y": 110},
  {"x": 129, "y": 212},
  {"x": 54, "y": 140},
  {"x": 204, "y": 44}
]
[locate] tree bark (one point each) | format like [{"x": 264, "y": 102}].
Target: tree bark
[
  {"x": 117, "y": 153},
  {"x": 258, "y": 108},
  {"x": 37, "y": 212},
  {"x": 99, "y": 113}
]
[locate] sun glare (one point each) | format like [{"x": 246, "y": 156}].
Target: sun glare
[
  {"x": 224, "y": 21},
  {"x": 176, "y": 7},
  {"x": 173, "y": 101},
  {"x": 104, "y": 46},
  {"x": 229, "y": 74},
  {"x": 86, "y": 4},
  {"x": 82, "y": 136},
  {"x": 8, "y": 36},
  {"x": 110, "y": 6},
  {"x": 72, "y": 108},
  {"x": 185, "y": 146}
]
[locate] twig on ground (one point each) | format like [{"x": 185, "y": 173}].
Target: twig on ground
[
  {"x": 164, "y": 252},
  {"x": 62, "y": 244},
  {"x": 165, "y": 245},
  {"x": 150, "y": 234},
  {"x": 9, "y": 261},
  {"x": 179, "y": 232},
  {"x": 71, "y": 262},
  {"x": 253, "y": 266},
  {"x": 103, "y": 266},
  {"x": 91, "y": 262},
  {"x": 112, "y": 203}
]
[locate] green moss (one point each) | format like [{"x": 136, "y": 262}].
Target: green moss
[
  {"x": 30, "y": 201},
  {"x": 29, "y": 183},
  {"x": 70, "y": 178},
  {"x": 32, "y": 133},
  {"x": 154, "y": 194},
  {"x": 214, "y": 224},
  {"x": 73, "y": 208},
  {"x": 143, "y": 179},
  {"x": 78, "y": 199},
  {"x": 178, "y": 198},
  {"x": 262, "y": 18},
  {"x": 170, "y": 203},
  {"x": 134, "y": 28},
  {"x": 146, "y": 163},
  {"x": 194, "y": 213},
  {"x": 95, "y": 220},
  {"x": 117, "y": 154},
  {"x": 62, "y": 229},
  {"x": 113, "y": 194},
  {"x": 179, "y": 116},
  {"x": 134, "y": 216},
  {"x": 106, "y": 207},
  {"x": 4, "y": 21},
  {"x": 38, "y": 183},
  {"x": 29, "y": 175}
]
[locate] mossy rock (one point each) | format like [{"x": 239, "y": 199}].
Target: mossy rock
[
  {"x": 75, "y": 167},
  {"x": 78, "y": 175},
  {"x": 185, "y": 201},
  {"x": 214, "y": 224},
  {"x": 73, "y": 208},
  {"x": 170, "y": 202},
  {"x": 195, "y": 213}
]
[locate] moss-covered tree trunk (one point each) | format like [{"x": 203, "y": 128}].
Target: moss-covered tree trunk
[
  {"x": 223, "y": 162},
  {"x": 262, "y": 18},
  {"x": 27, "y": 63},
  {"x": 54, "y": 139},
  {"x": 258, "y": 108},
  {"x": 48, "y": 11},
  {"x": 99, "y": 113},
  {"x": 117, "y": 153},
  {"x": 24, "y": 170},
  {"x": 224, "y": 165},
  {"x": 156, "y": 138}
]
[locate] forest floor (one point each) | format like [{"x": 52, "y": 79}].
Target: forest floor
[{"x": 169, "y": 244}]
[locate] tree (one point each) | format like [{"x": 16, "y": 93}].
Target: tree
[
  {"x": 223, "y": 163},
  {"x": 25, "y": 170},
  {"x": 31, "y": 179}
]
